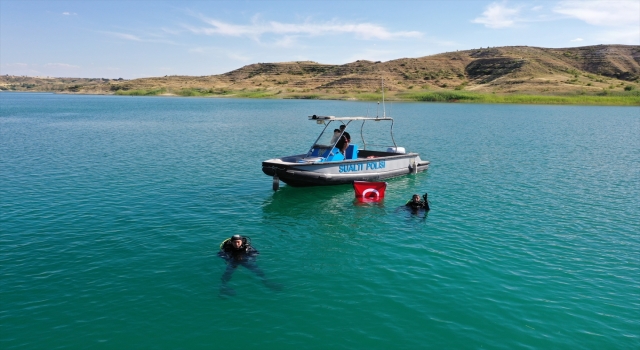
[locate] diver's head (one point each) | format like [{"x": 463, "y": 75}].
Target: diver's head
[
  {"x": 342, "y": 127},
  {"x": 236, "y": 240},
  {"x": 415, "y": 198}
]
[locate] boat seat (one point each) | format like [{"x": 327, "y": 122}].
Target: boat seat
[
  {"x": 351, "y": 152},
  {"x": 333, "y": 155}
]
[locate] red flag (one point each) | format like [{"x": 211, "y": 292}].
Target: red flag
[{"x": 369, "y": 191}]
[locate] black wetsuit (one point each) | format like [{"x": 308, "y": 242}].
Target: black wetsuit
[
  {"x": 341, "y": 142},
  {"x": 418, "y": 205},
  {"x": 344, "y": 138},
  {"x": 245, "y": 256},
  {"x": 229, "y": 252}
]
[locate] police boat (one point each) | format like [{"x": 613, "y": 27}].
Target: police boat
[{"x": 324, "y": 164}]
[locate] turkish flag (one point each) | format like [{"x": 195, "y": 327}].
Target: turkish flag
[{"x": 369, "y": 191}]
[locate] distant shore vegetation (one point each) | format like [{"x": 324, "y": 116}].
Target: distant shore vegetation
[
  {"x": 629, "y": 97},
  {"x": 606, "y": 98},
  {"x": 141, "y": 92}
]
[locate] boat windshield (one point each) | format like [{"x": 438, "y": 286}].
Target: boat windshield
[{"x": 328, "y": 137}]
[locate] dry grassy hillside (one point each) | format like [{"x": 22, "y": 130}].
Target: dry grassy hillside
[{"x": 504, "y": 70}]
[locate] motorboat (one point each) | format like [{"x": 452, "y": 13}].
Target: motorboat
[{"x": 325, "y": 164}]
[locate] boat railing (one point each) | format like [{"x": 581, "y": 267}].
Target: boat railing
[
  {"x": 324, "y": 145},
  {"x": 379, "y": 146},
  {"x": 364, "y": 143}
]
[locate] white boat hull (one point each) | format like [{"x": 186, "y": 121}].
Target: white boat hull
[{"x": 299, "y": 170}]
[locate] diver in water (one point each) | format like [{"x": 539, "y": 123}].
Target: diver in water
[
  {"x": 416, "y": 203},
  {"x": 237, "y": 250}
]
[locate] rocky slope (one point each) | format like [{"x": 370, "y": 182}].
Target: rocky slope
[{"x": 512, "y": 69}]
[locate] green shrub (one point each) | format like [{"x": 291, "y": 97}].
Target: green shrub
[
  {"x": 573, "y": 72},
  {"x": 461, "y": 86},
  {"x": 141, "y": 92},
  {"x": 629, "y": 99},
  {"x": 442, "y": 96},
  {"x": 369, "y": 97},
  {"x": 305, "y": 97},
  {"x": 254, "y": 94},
  {"x": 192, "y": 92}
]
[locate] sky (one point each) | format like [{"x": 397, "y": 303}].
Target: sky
[{"x": 145, "y": 38}]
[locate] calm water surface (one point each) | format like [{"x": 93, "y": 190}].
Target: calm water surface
[{"x": 112, "y": 210}]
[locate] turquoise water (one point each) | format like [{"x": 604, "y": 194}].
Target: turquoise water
[{"x": 112, "y": 210}]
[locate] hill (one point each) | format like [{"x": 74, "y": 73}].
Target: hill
[{"x": 589, "y": 70}]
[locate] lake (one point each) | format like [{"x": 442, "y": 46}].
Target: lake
[{"x": 113, "y": 209}]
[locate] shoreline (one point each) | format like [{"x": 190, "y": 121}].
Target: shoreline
[{"x": 630, "y": 99}]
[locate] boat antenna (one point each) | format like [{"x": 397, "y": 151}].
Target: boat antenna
[{"x": 384, "y": 114}]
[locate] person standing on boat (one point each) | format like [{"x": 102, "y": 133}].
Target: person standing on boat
[
  {"x": 236, "y": 251},
  {"x": 336, "y": 136},
  {"x": 345, "y": 140}
]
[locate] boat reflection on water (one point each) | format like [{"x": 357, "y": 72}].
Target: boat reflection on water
[
  {"x": 314, "y": 202},
  {"x": 330, "y": 211}
]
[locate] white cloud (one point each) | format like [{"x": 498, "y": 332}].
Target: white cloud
[
  {"x": 629, "y": 36},
  {"x": 18, "y": 69},
  {"x": 213, "y": 51},
  {"x": 286, "y": 41},
  {"x": 171, "y": 31},
  {"x": 498, "y": 15},
  {"x": 61, "y": 65},
  {"x": 238, "y": 57},
  {"x": 132, "y": 37},
  {"x": 69, "y": 14},
  {"x": 30, "y": 69},
  {"x": 15, "y": 65},
  {"x": 602, "y": 13},
  {"x": 257, "y": 28},
  {"x": 371, "y": 55},
  {"x": 577, "y": 40},
  {"x": 624, "y": 15},
  {"x": 124, "y": 36}
]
